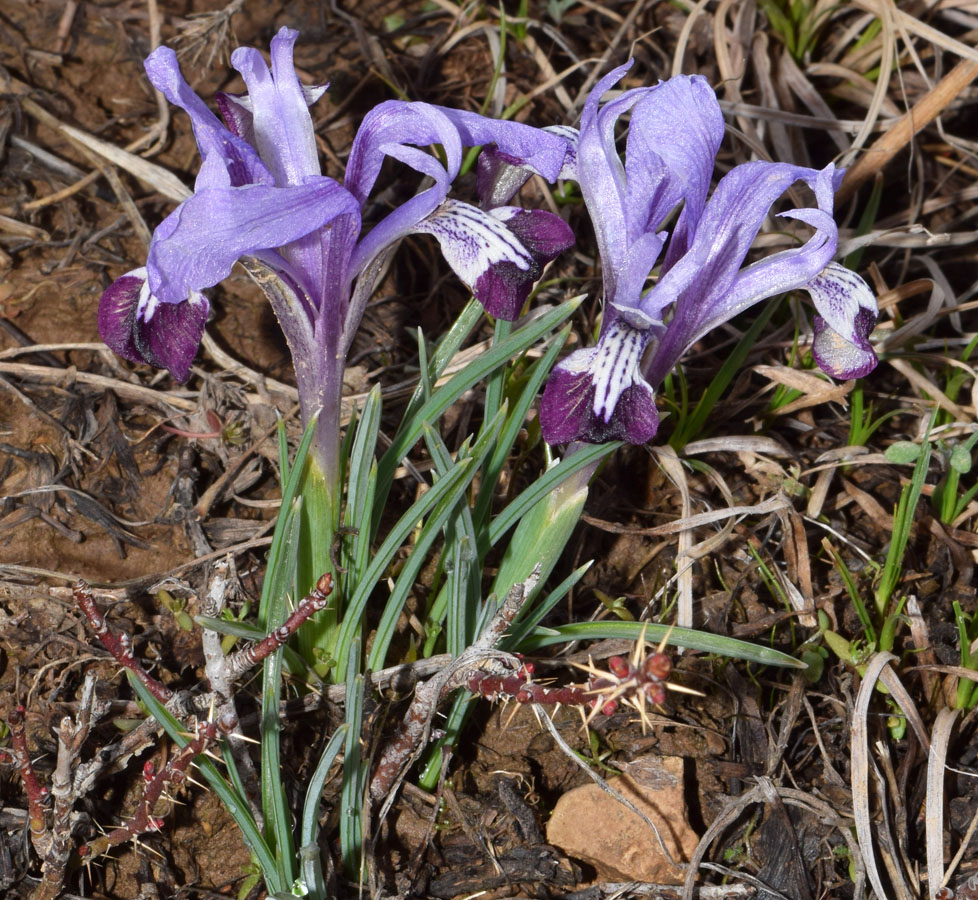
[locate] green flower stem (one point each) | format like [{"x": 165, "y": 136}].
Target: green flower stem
[{"x": 320, "y": 517}]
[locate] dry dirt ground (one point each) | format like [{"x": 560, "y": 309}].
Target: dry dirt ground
[{"x": 104, "y": 466}]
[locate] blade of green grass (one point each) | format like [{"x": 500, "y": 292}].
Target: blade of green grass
[
  {"x": 309, "y": 861},
  {"x": 236, "y": 804},
  {"x": 679, "y": 637}
]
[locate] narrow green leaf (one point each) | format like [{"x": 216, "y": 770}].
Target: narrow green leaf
[
  {"x": 529, "y": 619},
  {"x": 436, "y": 521},
  {"x": 351, "y": 794},
  {"x": 447, "y": 347},
  {"x": 382, "y": 558},
  {"x": 545, "y": 484},
  {"x": 449, "y": 393},
  {"x": 309, "y": 861},
  {"x": 679, "y": 637},
  {"x": 236, "y": 804},
  {"x": 493, "y": 468}
]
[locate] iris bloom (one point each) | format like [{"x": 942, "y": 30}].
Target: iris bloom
[
  {"x": 607, "y": 391},
  {"x": 261, "y": 197}
]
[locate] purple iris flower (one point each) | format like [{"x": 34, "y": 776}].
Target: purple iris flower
[
  {"x": 261, "y": 198},
  {"x": 607, "y": 391}
]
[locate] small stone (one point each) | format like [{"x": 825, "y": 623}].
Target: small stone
[{"x": 596, "y": 828}]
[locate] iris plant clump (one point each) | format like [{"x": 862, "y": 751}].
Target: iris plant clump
[
  {"x": 261, "y": 198},
  {"x": 607, "y": 392}
]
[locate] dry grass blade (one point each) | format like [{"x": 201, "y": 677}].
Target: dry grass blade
[
  {"x": 671, "y": 465},
  {"x": 156, "y": 177},
  {"x": 931, "y": 105},
  {"x": 934, "y": 816},
  {"x": 765, "y": 791},
  {"x": 49, "y": 375},
  {"x": 860, "y": 773}
]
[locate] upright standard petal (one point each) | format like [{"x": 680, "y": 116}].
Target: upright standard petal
[
  {"x": 499, "y": 254},
  {"x": 673, "y": 139},
  {"x": 283, "y": 129},
  {"x": 140, "y": 328},
  {"x": 847, "y": 315},
  {"x": 196, "y": 246},
  {"x": 228, "y": 160},
  {"x": 599, "y": 394}
]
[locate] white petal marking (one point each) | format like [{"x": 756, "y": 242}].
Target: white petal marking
[
  {"x": 839, "y": 294},
  {"x": 475, "y": 240},
  {"x": 615, "y": 366},
  {"x": 147, "y": 303}
]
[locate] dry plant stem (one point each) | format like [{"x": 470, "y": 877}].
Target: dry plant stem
[
  {"x": 35, "y": 793},
  {"x": 925, "y": 110},
  {"x": 312, "y": 603},
  {"x": 149, "y": 173},
  {"x": 120, "y": 646},
  {"x": 936, "y": 768},
  {"x": 173, "y": 775},
  {"x": 135, "y": 392},
  {"x": 220, "y": 682},
  {"x": 71, "y": 737},
  {"x": 413, "y": 733}
]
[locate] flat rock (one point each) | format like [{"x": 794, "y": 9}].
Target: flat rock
[{"x": 593, "y": 826}]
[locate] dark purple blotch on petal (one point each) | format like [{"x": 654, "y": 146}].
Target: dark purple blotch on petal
[
  {"x": 117, "y": 313},
  {"x": 841, "y": 358},
  {"x": 504, "y": 286},
  {"x": 567, "y": 412},
  {"x": 168, "y": 340},
  {"x": 545, "y": 235}
]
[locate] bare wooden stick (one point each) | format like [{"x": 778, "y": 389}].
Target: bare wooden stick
[{"x": 924, "y": 111}]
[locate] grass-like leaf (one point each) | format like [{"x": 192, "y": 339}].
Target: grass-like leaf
[
  {"x": 680, "y": 637},
  {"x": 235, "y": 802}
]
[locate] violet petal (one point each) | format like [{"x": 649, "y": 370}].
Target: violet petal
[
  {"x": 281, "y": 121},
  {"x": 142, "y": 329},
  {"x": 395, "y": 122},
  {"x": 599, "y": 394},
  {"x": 500, "y": 175},
  {"x": 198, "y": 243},
  {"x": 543, "y": 151},
  {"x": 228, "y": 161},
  {"x": 673, "y": 138},
  {"x": 708, "y": 285}
]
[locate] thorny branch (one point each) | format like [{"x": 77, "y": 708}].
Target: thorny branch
[
  {"x": 496, "y": 675},
  {"x": 51, "y": 823},
  {"x": 172, "y": 775},
  {"x": 119, "y": 645}
]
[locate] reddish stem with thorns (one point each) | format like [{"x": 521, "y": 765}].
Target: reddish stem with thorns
[
  {"x": 120, "y": 646},
  {"x": 632, "y": 681},
  {"x": 317, "y": 599},
  {"x": 172, "y": 775},
  {"x": 22, "y": 759}
]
